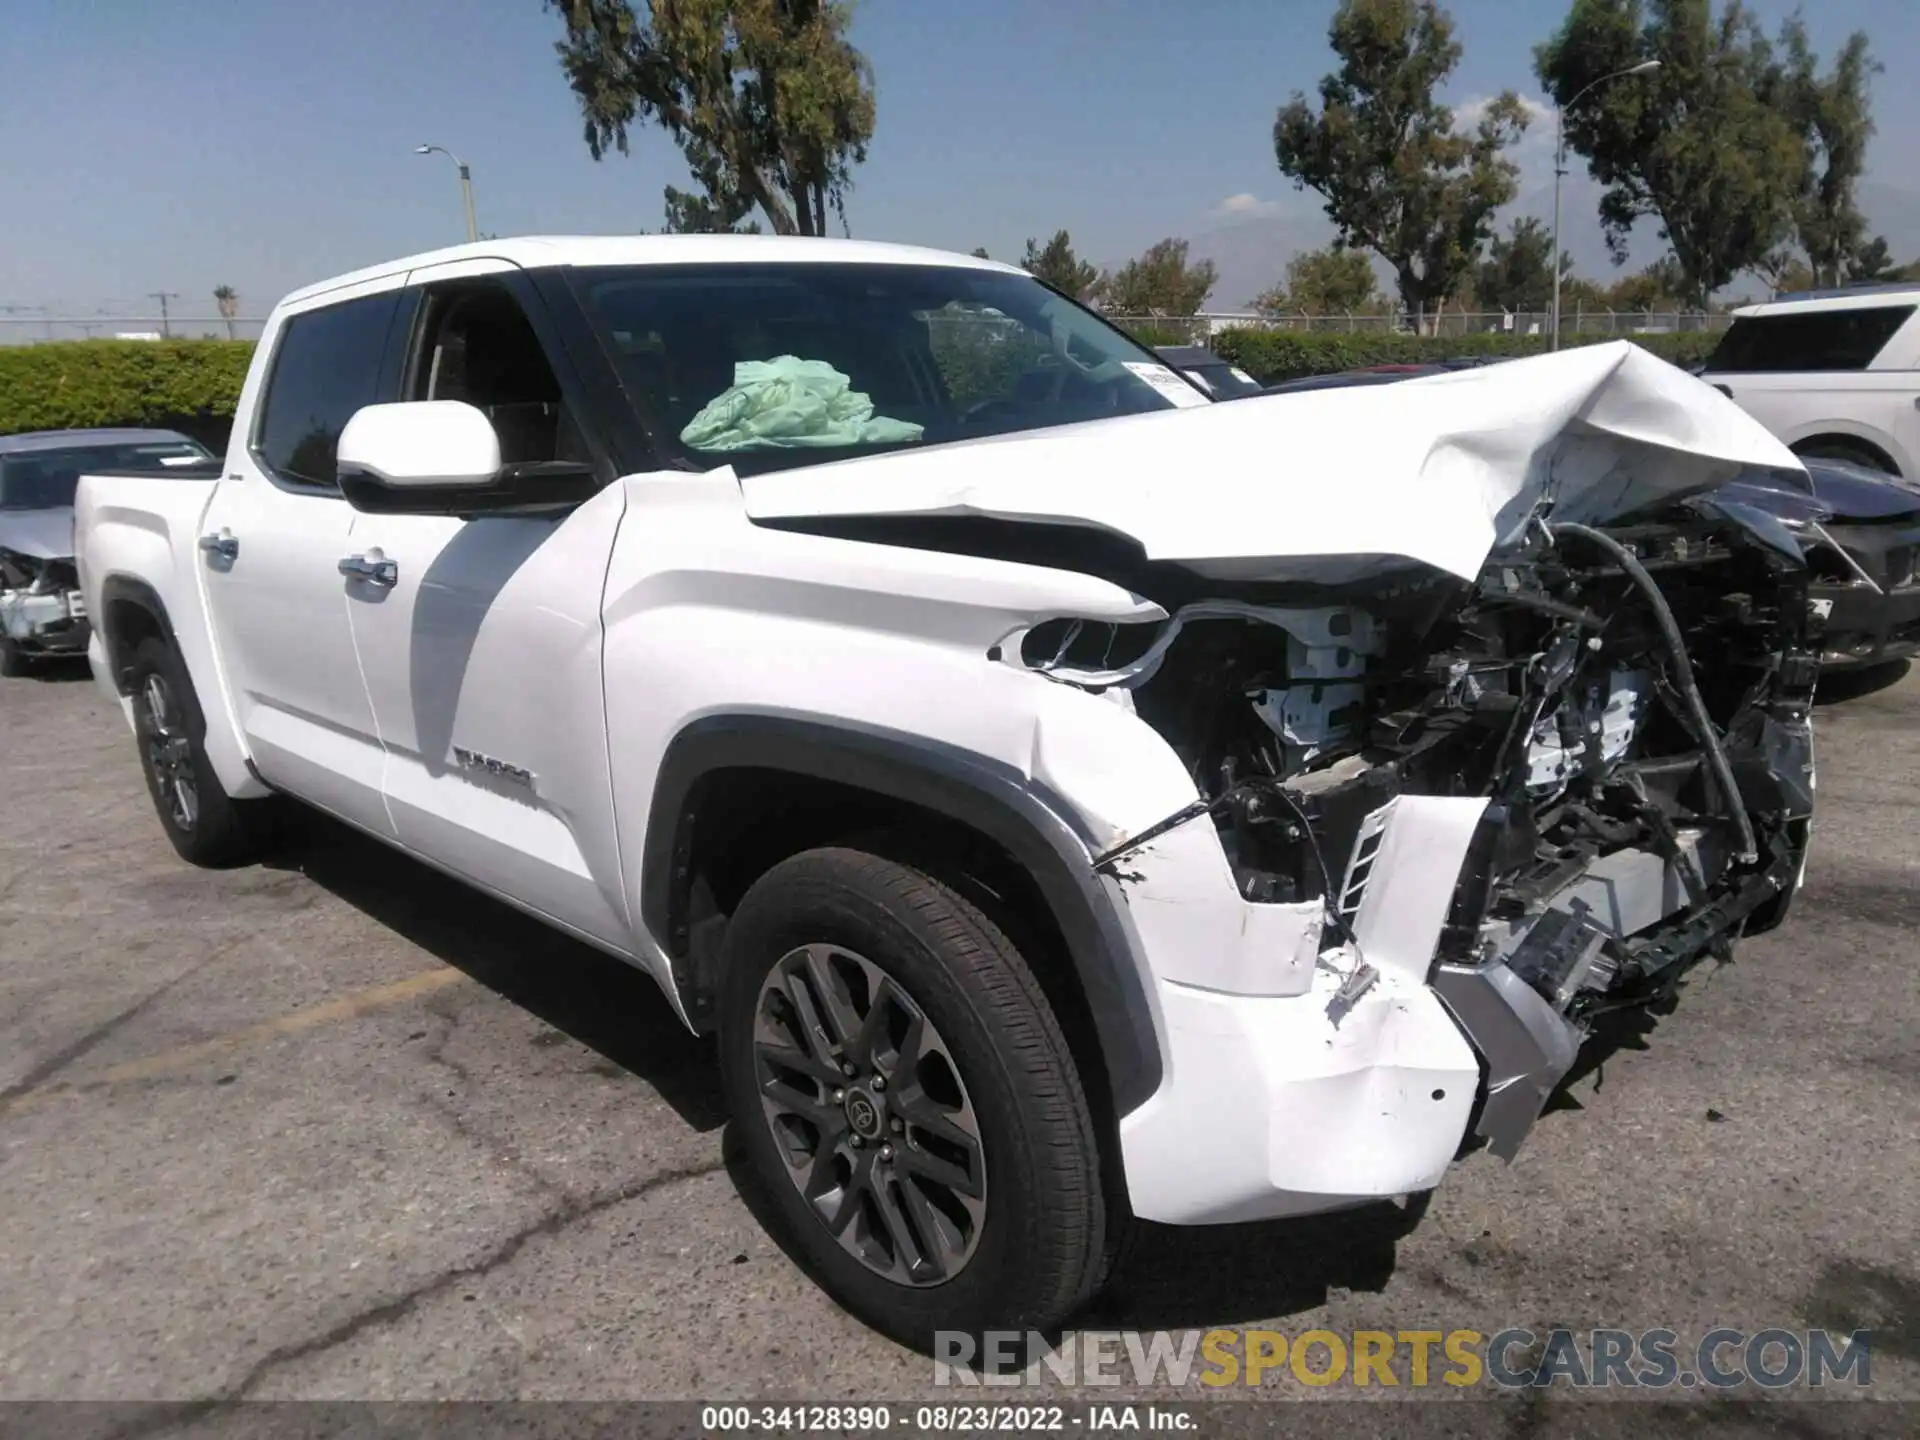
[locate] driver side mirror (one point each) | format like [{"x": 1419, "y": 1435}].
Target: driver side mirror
[{"x": 442, "y": 457}]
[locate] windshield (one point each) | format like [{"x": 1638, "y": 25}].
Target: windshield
[
  {"x": 46, "y": 479},
  {"x": 765, "y": 366}
]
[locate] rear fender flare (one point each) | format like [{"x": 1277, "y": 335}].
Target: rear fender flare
[{"x": 225, "y": 749}]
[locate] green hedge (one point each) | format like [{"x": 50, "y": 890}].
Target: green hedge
[
  {"x": 1274, "y": 355},
  {"x": 64, "y": 385}
]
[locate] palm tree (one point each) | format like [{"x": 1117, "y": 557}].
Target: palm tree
[{"x": 228, "y": 299}]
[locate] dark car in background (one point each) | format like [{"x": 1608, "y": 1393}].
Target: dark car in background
[
  {"x": 1382, "y": 374},
  {"x": 1219, "y": 378},
  {"x": 1865, "y": 569},
  {"x": 41, "y": 612}
]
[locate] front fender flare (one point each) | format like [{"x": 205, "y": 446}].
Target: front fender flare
[{"x": 1034, "y": 826}]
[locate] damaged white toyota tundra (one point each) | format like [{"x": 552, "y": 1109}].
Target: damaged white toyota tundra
[{"x": 1066, "y": 799}]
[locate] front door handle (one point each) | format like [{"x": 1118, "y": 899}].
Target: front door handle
[
  {"x": 223, "y": 545},
  {"x": 375, "y": 569}
]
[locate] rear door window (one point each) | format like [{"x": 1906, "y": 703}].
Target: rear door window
[
  {"x": 1815, "y": 340},
  {"x": 326, "y": 367}
]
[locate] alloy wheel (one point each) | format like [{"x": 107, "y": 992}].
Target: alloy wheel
[
  {"x": 867, "y": 1108},
  {"x": 170, "y": 752}
]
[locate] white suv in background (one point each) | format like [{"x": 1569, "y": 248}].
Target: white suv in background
[{"x": 1833, "y": 373}]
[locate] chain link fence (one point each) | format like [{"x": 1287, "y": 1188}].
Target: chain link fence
[{"x": 30, "y": 325}]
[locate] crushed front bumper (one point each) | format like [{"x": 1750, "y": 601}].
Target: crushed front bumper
[
  {"x": 1300, "y": 1077},
  {"x": 54, "y": 623},
  {"x": 1305, "y": 1077}
]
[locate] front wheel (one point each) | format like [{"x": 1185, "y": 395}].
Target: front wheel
[{"x": 905, "y": 1096}]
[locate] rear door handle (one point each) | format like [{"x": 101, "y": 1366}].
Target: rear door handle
[
  {"x": 223, "y": 545},
  {"x": 375, "y": 569}
]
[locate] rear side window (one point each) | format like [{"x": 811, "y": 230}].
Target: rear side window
[
  {"x": 327, "y": 366},
  {"x": 1817, "y": 340}
]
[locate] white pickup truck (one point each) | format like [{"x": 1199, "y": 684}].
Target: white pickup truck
[{"x": 1067, "y": 799}]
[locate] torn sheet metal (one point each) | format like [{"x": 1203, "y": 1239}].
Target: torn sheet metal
[{"x": 1332, "y": 484}]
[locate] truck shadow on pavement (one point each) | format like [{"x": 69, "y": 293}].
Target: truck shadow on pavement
[
  {"x": 1855, "y": 684},
  {"x": 1175, "y": 1277},
  {"x": 1171, "y": 1277},
  {"x": 608, "y": 1006}
]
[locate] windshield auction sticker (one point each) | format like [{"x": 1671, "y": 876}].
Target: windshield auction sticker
[{"x": 1167, "y": 383}]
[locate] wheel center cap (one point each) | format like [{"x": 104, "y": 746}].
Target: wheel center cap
[{"x": 863, "y": 1114}]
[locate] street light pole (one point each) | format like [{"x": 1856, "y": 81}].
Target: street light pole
[
  {"x": 166, "y": 326},
  {"x": 466, "y": 183},
  {"x": 1560, "y": 169}
]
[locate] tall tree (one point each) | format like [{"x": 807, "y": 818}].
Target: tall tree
[
  {"x": 1661, "y": 286},
  {"x": 1835, "y": 120},
  {"x": 1784, "y": 271},
  {"x": 1396, "y": 176},
  {"x": 1873, "y": 261},
  {"x": 1333, "y": 281},
  {"x": 1707, "y": 145},
  {"x": 228, "y": 299},
  {"x": 714, "y": 209},
  {"x": 1518, "y": 271},
  {"x": 768, "y": 100},
  {"x": 1057, "y": 265},
  {"x": 1160, "y": 282}
]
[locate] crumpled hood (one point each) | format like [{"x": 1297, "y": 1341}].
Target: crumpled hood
[
  {"x": 42, "y": 534},
  {"x": 1332, "y": 484}
]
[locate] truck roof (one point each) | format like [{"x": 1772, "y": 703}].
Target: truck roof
[
  {"x": 532, "y": 251},
  {"x": 1845, "y": 297},
  {"x": 32, "y": 440}
]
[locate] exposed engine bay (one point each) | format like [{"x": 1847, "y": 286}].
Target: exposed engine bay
[
  {"x": 1633, "y": 702},
  {"x": 40, "y": 604}
]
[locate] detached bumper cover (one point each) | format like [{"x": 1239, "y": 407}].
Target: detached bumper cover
[{"x": 1299, "y": 1078}]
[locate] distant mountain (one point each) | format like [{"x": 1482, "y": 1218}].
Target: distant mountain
[{"x": 1251, "y": 255}]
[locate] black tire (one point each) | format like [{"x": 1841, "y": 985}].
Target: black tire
[
  {"x": 1039, "y": 1242},
  {"x": 14, "y": 662},
  {"x": 206, "y": 825}
]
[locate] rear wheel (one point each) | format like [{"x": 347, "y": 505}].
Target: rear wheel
[
  {"x": 205, "y": 825},
  {"x": 906, "y": 1098}
]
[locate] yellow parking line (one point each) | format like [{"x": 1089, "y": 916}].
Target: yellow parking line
[{"x": 171, "y": 1062}]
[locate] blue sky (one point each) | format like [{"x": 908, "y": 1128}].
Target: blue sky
[{"x": 180, "y": 144}]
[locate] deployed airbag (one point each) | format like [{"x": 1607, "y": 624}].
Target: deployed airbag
[{"x": 786, "y": 402}]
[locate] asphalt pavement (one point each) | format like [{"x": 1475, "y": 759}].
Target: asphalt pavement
[{"x": 337, "y": 1127}]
